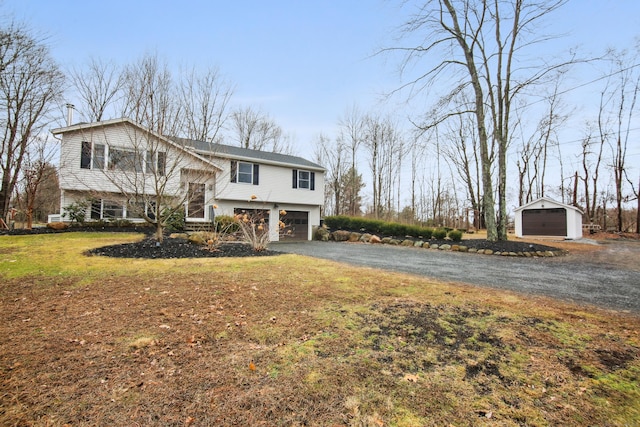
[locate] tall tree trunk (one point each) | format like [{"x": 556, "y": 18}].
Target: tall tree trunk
[
  {"x": 487, "y": 184},
  {"x": 638, "y": 209}
]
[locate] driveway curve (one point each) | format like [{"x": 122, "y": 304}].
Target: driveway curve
[{"x": 570, "y": 278}]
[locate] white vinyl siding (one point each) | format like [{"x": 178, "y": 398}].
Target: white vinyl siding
[
  {"x": 275, "y": 187},
  {"x": 231, "y": 180}
]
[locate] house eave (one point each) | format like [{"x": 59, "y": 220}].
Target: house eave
[
  {"x": 262, "y": 161},
  {"x": 79, "y": 127},
  {"x": 547, "y": 200}
]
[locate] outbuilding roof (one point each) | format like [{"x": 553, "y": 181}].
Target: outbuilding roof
[{"x": 549, "y": 201}]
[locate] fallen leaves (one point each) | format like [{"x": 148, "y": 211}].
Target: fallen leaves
[{"x": 412, "y": 378}]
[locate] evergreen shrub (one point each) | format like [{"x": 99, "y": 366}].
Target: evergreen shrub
[
  {"x": 439, "y": 233},
  {"x": 455, "y": 235}
]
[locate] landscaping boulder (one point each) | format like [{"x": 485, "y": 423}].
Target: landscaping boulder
[
  {"x": 375, "y": 239},
  {"x": 183, "y": 236},
  {"x": 322, "y": 234},
  {"x": 57, "y": 226},
  {"x": 197, "y": 239},
  {"x": 354, "y": 237},
  {"x": 340, "y": 235}
]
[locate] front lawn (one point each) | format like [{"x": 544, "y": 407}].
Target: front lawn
[{"x": 290, "y": 340}]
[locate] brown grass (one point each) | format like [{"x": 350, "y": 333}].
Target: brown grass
[{"x": 294, "y": 341}]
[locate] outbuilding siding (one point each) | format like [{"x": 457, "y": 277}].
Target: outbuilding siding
[{"x": 543, "y": 217}]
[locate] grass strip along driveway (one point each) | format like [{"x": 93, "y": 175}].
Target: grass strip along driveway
[{"x": 291, "y": 340}]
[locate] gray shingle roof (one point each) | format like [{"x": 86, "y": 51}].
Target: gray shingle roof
[{"x": 239, "y": 153}]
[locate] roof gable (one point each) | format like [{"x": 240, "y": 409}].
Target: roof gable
[
  {"x": 199, "y": 149},
  {"x": 549, "y": 201}
]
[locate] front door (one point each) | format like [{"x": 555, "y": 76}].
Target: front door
[{"x": 195, "y": 205}]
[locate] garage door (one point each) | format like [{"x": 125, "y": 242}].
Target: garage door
[
  {"x": 544, "y": 222},
  {"x": 297, "y": 226}
]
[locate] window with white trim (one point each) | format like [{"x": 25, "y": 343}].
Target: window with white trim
[
  {"x": 155, "y": 162},
  {"x": 244, "y": 172},
  {"x": 124, "y": 160},
  {"x": 304, "y": 179},
  {"x": 92, "y": 155}
]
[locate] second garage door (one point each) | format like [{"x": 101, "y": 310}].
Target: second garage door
[
  {"x": 297, "y": 226},
  {"x": 544, "y": 222}
]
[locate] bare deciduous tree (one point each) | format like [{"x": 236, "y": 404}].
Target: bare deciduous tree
[
  {"x": 99, "y": 84},
  {"x": 150, "y": 96},
  {"x": 384, "y": 146},
  {"x": 36, "y": 172},
  {"x": 480, "y": 42},
  {"x": 193, "y": 107},
  {"x": 352, "y": 134},
  {"x": 462, "y": 152},
  {"x": 534, "y": 153},
  {"x": 332, "y": 154},
  {"x": 624, "y": 97},
  {"x": 256, "y": 130},
  {"x": 204, "y": 98},
  {"x": 30, "y": 87}
]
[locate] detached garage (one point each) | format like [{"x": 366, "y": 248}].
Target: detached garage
[{"x": 546, "y": 217}]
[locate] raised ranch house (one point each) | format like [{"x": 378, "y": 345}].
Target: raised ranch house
[
  {"x": 546, "y": 217},
  {"x": 111, "y": 165}
]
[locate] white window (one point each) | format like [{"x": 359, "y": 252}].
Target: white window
[
  {"x": 92, "y": 156},
  {"x": 304, "y": 180},
  {"x": 124, "y": 160},
  {"x": 247, "y": 173},
  {"x": 155, "y": 162}
]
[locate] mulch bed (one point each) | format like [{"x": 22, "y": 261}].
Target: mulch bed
[
  {"x": 500, "y": 246},
  {"x": 180, "y": 248},
  {"x": 177, "y": 248}
]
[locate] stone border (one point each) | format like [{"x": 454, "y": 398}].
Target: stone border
[{"x": 355, "y": 237}]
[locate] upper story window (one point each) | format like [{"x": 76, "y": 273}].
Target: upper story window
[
  {"x": 245, "y": 172},
  {"x": 92, "y": 155},
  {"x": 304, "y": 179},
  {"x": 155, "y": 162},
  {"x": 124, "y": 160}
]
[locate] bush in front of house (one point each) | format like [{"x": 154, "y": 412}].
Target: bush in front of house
[
  {"x": 175, "y": 220},
  {"x": 426, "y": 233},
  {"x": 226, "y": 224},
  {"x": 376, "y": 226},
  {"x": 439, "y": 233},
  {"x": 455, "y": 235}
]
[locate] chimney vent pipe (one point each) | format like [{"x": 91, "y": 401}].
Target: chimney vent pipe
[{"x": 70, "y": 108}]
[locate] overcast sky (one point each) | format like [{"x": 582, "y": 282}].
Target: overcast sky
[{"x": 302, "y": 62}]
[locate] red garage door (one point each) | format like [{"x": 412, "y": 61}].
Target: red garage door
[{"x": 544, "y": 222}]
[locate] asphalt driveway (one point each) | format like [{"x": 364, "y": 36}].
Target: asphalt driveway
[{"x": 570, "y": 278}]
